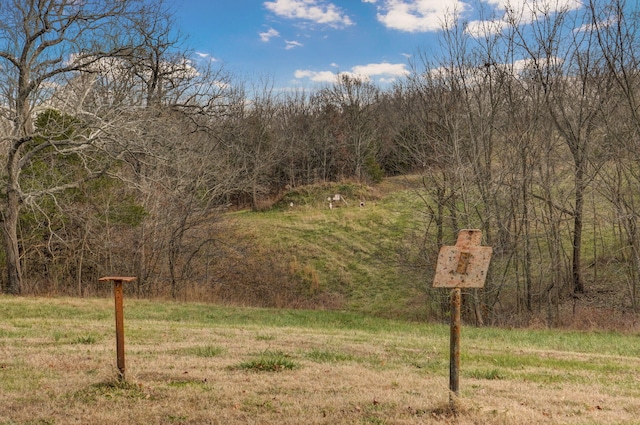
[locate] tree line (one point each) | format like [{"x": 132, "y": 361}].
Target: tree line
[{"x": 120, "y": 154}]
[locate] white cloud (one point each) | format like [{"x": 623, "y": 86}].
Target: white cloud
[
  {"x": 595, "y": 26},
  {"x": 387, "y": 69},
  {"x": 202, "y": 55},
  {"x": 318, "y": 77},
  {"x": 418, "y": 15},
  {"x": 268, "y": 35},
  {"x": 519, "y": 12},
  {"x": 517, "y": 69},
  {"x": 318, "y": 11},
  {"x": 431, "y": 15},
  {"x": 110, "y": 67},
  {"x": 387, "y": 72},
  {"x": 539, "y": 5},
  {"x": 292, "y": 44},
  {"x": 479, "y": 29}
]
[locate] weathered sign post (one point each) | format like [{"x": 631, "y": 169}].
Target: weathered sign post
[
  {"x": 464, "y": 265},
  {"x": 117, "y": 294}
]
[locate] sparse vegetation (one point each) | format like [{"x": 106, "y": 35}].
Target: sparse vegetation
[
  {"x": 327, "y": 356},
  {"x": 89, "y": 339},
  {"x": 197, "y": 363},
  {"x": 201, "y": 351},
  {"x": 268, "y": 361}
]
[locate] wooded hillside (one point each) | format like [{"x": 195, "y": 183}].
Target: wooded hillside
[{"x": 121, "y": 155}]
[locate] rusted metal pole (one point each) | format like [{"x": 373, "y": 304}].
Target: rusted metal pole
[
  {"x": 117, "y": 293},
  {"x": 454, "y": 355},
  {"x": 118, "y": 296}
]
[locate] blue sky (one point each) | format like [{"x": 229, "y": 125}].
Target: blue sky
[{"x": 306, "y": 43}]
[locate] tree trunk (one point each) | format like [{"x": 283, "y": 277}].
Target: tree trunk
[
  {"x": 527, "y": 246},
  {"x": 10, "y": 236},
  {"x": 578, "y": 284}
]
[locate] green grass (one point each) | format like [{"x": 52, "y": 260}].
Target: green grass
[
  {"x": 268, "y": 361},
  {"x": 85, "y": 339},
  {"x": 485, "y": 374},
  {"x": 298, "y": 365},
  {"x": 350, "y": 251},
  {"x": 202, "y": 351},
  {"x": 328, "y": 356}
]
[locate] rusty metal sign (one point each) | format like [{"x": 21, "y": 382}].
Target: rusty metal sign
[{"x": 464, "y": 265}]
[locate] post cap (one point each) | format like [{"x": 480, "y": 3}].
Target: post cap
[{"x": 120, "y": 278}]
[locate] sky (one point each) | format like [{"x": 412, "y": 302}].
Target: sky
[{"x": 307, "y": 43}]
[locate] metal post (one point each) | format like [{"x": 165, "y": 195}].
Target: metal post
[
  {"x": 454, "y": 355},
  {"x": 117, "y": 294}
]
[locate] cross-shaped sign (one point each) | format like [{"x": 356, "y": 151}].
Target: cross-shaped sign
[{"x": 464, "y": 265}]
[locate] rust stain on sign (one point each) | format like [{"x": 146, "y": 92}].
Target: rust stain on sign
[{"x": 464, "y": 265}]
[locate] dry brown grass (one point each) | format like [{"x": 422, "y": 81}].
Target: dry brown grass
[{"x": 57, "y": 369}]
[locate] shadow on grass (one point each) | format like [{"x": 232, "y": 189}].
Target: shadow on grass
[{"x": 111, "y": 389}]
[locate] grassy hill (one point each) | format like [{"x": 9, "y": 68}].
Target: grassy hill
[{"x": 349, "y": 256}]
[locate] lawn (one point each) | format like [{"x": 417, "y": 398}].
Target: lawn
[{"x": 206, "y": 364}]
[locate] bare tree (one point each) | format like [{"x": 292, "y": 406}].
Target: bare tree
[
  {"x": 355, "y": 101},
  {"x": 44, "y": 43},
  {"x": 560, "y": 53},
  {"x": 618, "y": 41},
  {"x": 250, "y": 135}
]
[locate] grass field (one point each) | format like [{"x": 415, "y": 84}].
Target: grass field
[{"x": 204, "y": 364}]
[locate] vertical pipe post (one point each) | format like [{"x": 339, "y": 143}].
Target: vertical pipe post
[
  {"x": 117, "y": 292},
  {"x": 454, "y": 355}
]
